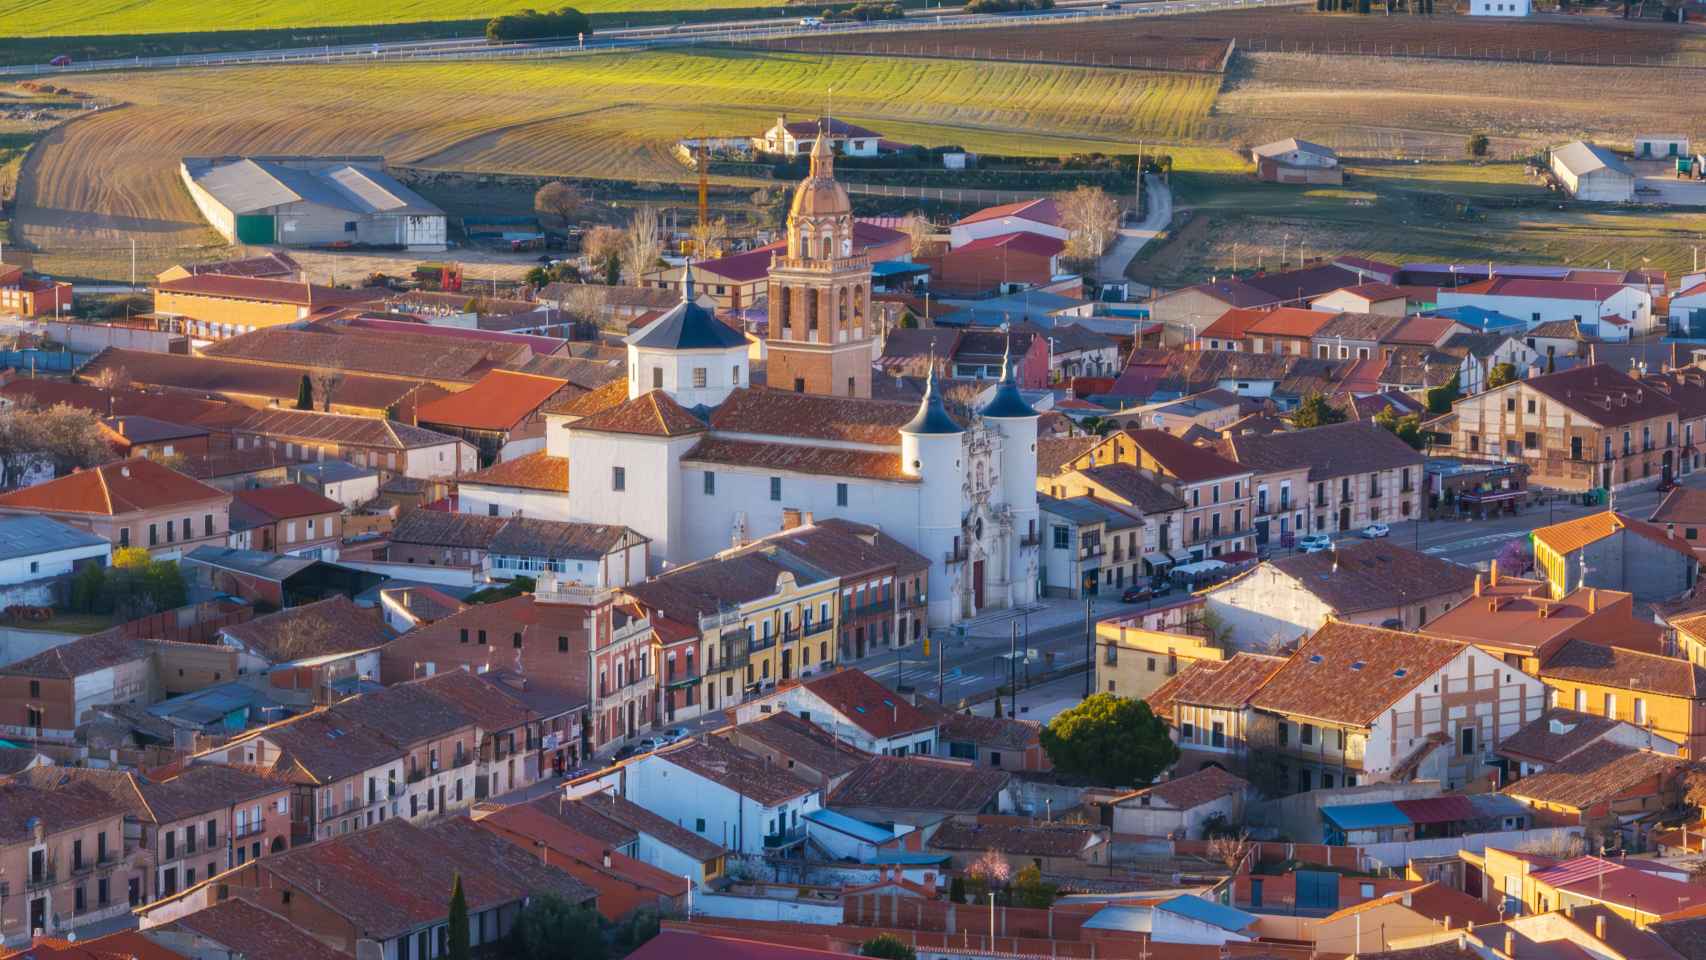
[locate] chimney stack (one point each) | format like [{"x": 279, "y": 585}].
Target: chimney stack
[
  {"x": 1493, "y": 573},
  {"x": 1477, "y": 584},
  {"x": 1593, "y": 600},
  {"x": 607, "y": 859},
  {"x": 1510, "y": 943},
  {"x": 1599, "y": 927}
]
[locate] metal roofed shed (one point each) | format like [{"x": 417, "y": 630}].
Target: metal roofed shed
[
  {"x": 1365, "y": 816},
  {"x": 311, "y": 201},
  {"x": 852, "y": 826},
  {"x": 1227, "y": 918},
  {"x": 1591, "y": 172}
]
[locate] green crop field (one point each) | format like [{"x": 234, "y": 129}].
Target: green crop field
[
  {"x": 104, "y": 179},
  {"x": 47, "y": 18}
]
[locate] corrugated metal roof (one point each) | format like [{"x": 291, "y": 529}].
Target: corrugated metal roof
[
  {"x": 868, "y": 832},
  {"x": 1437, "y": 809},
  {"x": 1227, "y": 918},
  {"x": 1365, "y": 816},
  {"x": 248, "y": 184}
]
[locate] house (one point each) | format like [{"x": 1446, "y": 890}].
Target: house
[
  {"x": 1357, "y": 473},
  {"x": 135, "y": 502},
  {"x": 1665, "y": 146},
  {"x": 133, "y": 435},
  {"x": 642, "y": 834},
  {"x": 920, "y": 791},
  {"x": 235, "y": 927},
  {"x": 1421, "y": 911},
  {"x": 254, "y": 384},
  {"x": 1077, "y": 560},
  {"x": 501, "y": 408},
  {"x": 584, "y": 645},
  {"x": 272, "y": 265},
  {"x": 1519, "y": 622},
  {"x": 47, "y": 695},
  {"x": 37, "y": 554},
  {"x": 316, "y": 644},
  {"x": 32, "y": 296},
  {"x": 64, "y": 849},
  {"x": 1663, "y": 694},
  {"x": 1230, "y": 330},
  {"x": 1217, "y": 491},
  {"x": 289, "y": 519},
  {"x": 1183, "y": 922},
  {"x": 1482, "y": 353},
  {"x": 1041, "y": 217},
  {"x": 272, "y": 579},
  {"x": 854, "y": 708},
  {"x": 306, "y": 201},
  {"x": 1131, "y": 489},
  {"x": 1286, "y": 330},
  {"x": 1577, "y": 429},
  {"x": 1357, "y": 335},
  {"x": 1005, "y": 742},
  {"x": 535, "y": 484},
  {"x": 399, "y": 353},
  {"x": 1359, "y": 704},
  {"x": 1373, "y": 297},
  {"x": 1207, "y": 706},
  {"x": 623, "y": 884},
  {"x": 1213, "y": 410},
  {"x": 787, "y": 740},
  {"x": 339, "y": 480},
  {"x": 1296, "y": 161},
  {"x": 346, "y": 889},
  {"x": 1561, "y": 733},
  {"x": 386, "y": 445},
  {"x": 403, "y": 608},
  {"x": 1372, "y": 582},
  {"x": 1687, "y": 316},
  {"x": 730, "y": 796},
  {"x": 1594, "y": 173},
  {"x": 1611, "y": 550},
  {"x": 504, "y": 548},
  {"x": 1005, "y": 263},
  {"x": 795, "y": 139},
  {"x": 1501, "y": 8},
  {"x": 1077, "y": 351},
  {"x": 1181, "y": 806},
  {"x": 209, "y": 306},
  {"x": 1597, "y": 306},
  {"x": 1022, "y": 842},
  {"x": 1426, "y": 331},
  {"x": 1140, "y": 651}
]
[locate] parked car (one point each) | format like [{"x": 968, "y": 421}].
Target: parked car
[
  {"x": 1315, "y": 543},
  {"x": 810, "y": 22},
  {"x": 674, "y": 735},
  {"x": 1375, "y": 531},
  {"x": 1110, "y": 6},
  {"x": 625, "y": 751},
  {"x": 63, "y": 60},
  {"x": 1137, "y": 593},
  {"x": 648, "y": 744}
]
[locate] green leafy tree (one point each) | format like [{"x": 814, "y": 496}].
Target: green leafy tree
[
  {"x": 1477, "y": 145},
  {"x": 551, "y": 928},
  {"x": 305, "y": 394},
  {"x": 887, "y": 946},
  {"x": 88, "y": 589},
  {"x": 537, "y": 277},
  {"x": 566, "y": 23},
  {"x": 1029, "y": 890},
  {"x": 957, "y": 890},
  {"x": 1502, "y": 373},
  {"x": 458, "y": 932},
  {"x": 1406, "y": 428},
  {"x": 1441, "y": 398},
  {"x": 1315, "y": 411},
  {"x": 1110, "y": 740},
  {"x": 641, "y": 925}
]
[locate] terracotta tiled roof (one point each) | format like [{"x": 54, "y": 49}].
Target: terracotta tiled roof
[
  {"x": 1195, "y": 789},
  {"x": 80, "y": 656},
  {"x": 1420, "y": 330},
  {"x": 265, "y": 290},
  {"x": 234, "y": 463},
  {"x": 286, "y": 501},
  {"x": 1374, "y": 575},
  {"x": 212, "y": 377},
  {"x": 1356, "y": 326},
  {"x": 1233, "y": 324},
  {"x": 1348, "y": 673},
  {"x": 1042, "y": 211},
  {"x": 1023, "y": 241},
  {"x": 557, "y": 539},
  {"x": 1554, "y": 735},
  {"x": 921, "y": 783},
  {"x": 1572, "y": 535},
  {"x": 1185, "y": 460},
  {"x": 204, "y": 788},
  {"x": 284, "y": 424},
  {"x": 797, "y": 458},
  {"x": 1328, "y": 452},
  {"x": 370, "y": 352},
  {"x": 776, "y": 412},
  {"x": 637, "y": 818},
  {"x": 1145, "y": 493},
  {"x": 1016, "y": 836},
  {"x": 254, "y": 933},
  {"x": 114, "y": 489},
  {"x": 1227, "y": 684},
  {"x": 1054, "y": 453},
  {"x": 738, "y": 770},
  {"x": 440, "y": 528},
  {"x": 1617, "y": 667},
  {"x": 1289, "y": 322},
  {"x": 1601, "y": 394},
  {"x": 797, "y": 740},
  {"x": 869, "y": 705},
  {"x": 533, "y": 471},
  {"x": 607, "y": 396},
  {"x": 654, "y": 414},
  {"x": 845, "y": 548},
  {"x": 1594, "y": 774},
  {"x": 491, "y": 704},
  {"x": 1005, "y": 733},
  {"x": 500, "y": 400},
  {"x": 327, "y": 627}
]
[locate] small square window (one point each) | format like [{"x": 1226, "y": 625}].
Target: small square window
[{"x": 699, "y": 377}]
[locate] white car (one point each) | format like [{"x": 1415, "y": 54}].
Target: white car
[
  {"x": 810, "y": 22},
  {"x": 673, "y": 735},
  {"x": 1374, "y": 531},
  {"x": 1315, "y": 543}
]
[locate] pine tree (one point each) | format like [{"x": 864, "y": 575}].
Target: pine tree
[
  {"x": 458, "y": 932},
  {"x": 305, "y": 394}
]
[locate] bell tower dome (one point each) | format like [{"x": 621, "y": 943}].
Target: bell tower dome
[{"x": 821, "y": 334}]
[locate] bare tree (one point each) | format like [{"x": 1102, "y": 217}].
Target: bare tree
[
  {"x": 1090, "y": 216},
  {"x": 111, "y": 378},
  {"x": 584, "y": 303},
  {"x": 920, "y": 232},
  {"x": 992, "y": 868},
  {"x": 560, "y": 200},
  {"x": 1560, "y": 846},
  {"x": 66, "y": 437},
  {"x": 326, "y": 381},
  {"x": 710, "y": 237},
  {"x": 1232, "y": 851},
  {"x": 643, "y": 244}
]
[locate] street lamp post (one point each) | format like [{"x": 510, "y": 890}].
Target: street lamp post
[
  {"x": 1089, "y": 648},
  {"x": 992, "y": 921}
]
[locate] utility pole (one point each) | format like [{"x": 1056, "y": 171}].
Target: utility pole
[
  {"x": 1013, "y": 674},
  {"x": 1089, "y": 648}
]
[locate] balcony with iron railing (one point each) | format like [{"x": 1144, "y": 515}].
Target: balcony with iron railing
[
  {"x": 41, "y": 879},
  {"x": 416, "y": 775},
  {"x": 253, "y": 827},
  {"x": 958, "y": 554},
  {"x": 785, "y": 838},
  {"x": 815, "y": 627}
]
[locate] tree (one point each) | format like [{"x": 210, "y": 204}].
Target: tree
[
  {"x": 1090, "y": 217},
  {"x": 603, "y": 247},
  {"x": 920, "y": 232},
  {"x": 566, "y": 23},
  {"x": 583, "y": 303},
  {"x": 458, "y": 932},
  {"x": 1441, "y": 398},
  {"x": 326, "y": 382},
  {"x": 1231, "y": 850},
  {"x": 305, "y": 393},
  {"x": 956, "y": 886},
  {"x": 551, "y": 928},
  {"x": 642, "y": 244},
  {"x": 1098, "y": 426},
  {"x": 1407, "y": 428},
  {"x": 709, "y": 238},
  {"x": 560, "y": 200},
  {"x": 536, "y": 277},
  {"x": 88, "y": 588},
  {"x": 70, "y": 438},
  {"x": 1502, "y": 373},
  {"x": 1477, "y": 145},
  {"x": 111, "y": 378},
  {"x": 1111, "y": 741},
  {"x": 887, "y": 946},
  {"x": 1029, "y": 890},
  {"x": 1315, "y": 411}
]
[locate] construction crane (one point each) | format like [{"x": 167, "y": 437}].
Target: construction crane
[{"x": 702, "y": 160}]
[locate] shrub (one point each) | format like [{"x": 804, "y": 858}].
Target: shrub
[
  {"x": 533, "y": 25},
  {"x": 1008, "y": 6},
  {"x": 1477, "y": 145}
]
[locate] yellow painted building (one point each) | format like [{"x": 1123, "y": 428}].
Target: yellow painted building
[
  {"x": 750, "y": 647},
  {"x": 1666, "y": 695},
  {"x": 1136, "y": 654}
]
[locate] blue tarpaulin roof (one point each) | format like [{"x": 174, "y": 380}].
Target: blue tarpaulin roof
[
  {"x": 1365, "y": 816},
  {"x": 868, "y": 832},
  {"x": 1224, "y": 917}
]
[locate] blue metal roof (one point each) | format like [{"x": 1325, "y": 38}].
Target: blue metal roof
[
  {"x": 906, "y": 858},
  {"x": 868, "y": 832},
  {"x": 1224, "y": 917},
  {"x": 1131, "y": 919},
  {"x": 1365, "y": 816}
]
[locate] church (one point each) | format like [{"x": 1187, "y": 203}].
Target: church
[{"x": 694, "y": 456}]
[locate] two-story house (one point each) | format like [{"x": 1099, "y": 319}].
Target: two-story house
[
  {"x": 1216, "y": 490},
  {"x": 1207, "y": 706},
  {"x": 289, "y": 519},
  {"x": 509, "y": 729},
  {"x": 1156, "y": 499},
  {"x": 47, "y": 695},
  {"x": 1589, "y": 427},
  {"x": 1089, "y": 545},
  {"x": 1358, "y": 472},
  {"x": 853, "y": 707},
  {"x": 132, "y": 503},
  {"x": 1666, "y": 695},
  {"x": 64, "y": 855},
  {"x": 1358, "y": 704},
  {"x": 205, "y": 820},
  {"x": 725, "y": 794}
]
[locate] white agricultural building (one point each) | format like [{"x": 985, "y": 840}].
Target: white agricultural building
[
  {"x": 1500, "y": 8},
  {"x": 310, "y": 201},
  {"x": 1591, "y": 172},
  {"x": 1660, "y": 146}
]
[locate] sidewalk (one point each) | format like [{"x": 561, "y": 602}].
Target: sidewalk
[{"x": 1047, "y": 614}]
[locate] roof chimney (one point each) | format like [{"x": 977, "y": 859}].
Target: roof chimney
[
  {"x": 1510, "y": 943},
  {"x": 1569, "y": 910},
  {"x": 1493, "y": 573},
  {"x": 1593, "y": 600},
  {"x": 607, "y": 859},
  {"x": 1406, "y": 898},
  {"x": 1477, "y": 584},
  {"x": 1599, "y": 927}
]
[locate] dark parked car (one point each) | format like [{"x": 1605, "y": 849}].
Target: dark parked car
[
  {"x": 62, "y": 60},
  {"x": 625, "y": 752},
  {"x": 1137, "y": 593}
]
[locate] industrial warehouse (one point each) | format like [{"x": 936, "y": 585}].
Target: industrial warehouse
[{"x": 311, "y": 201}]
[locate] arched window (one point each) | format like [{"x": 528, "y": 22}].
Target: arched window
[{"x": 828, "y": 247}]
